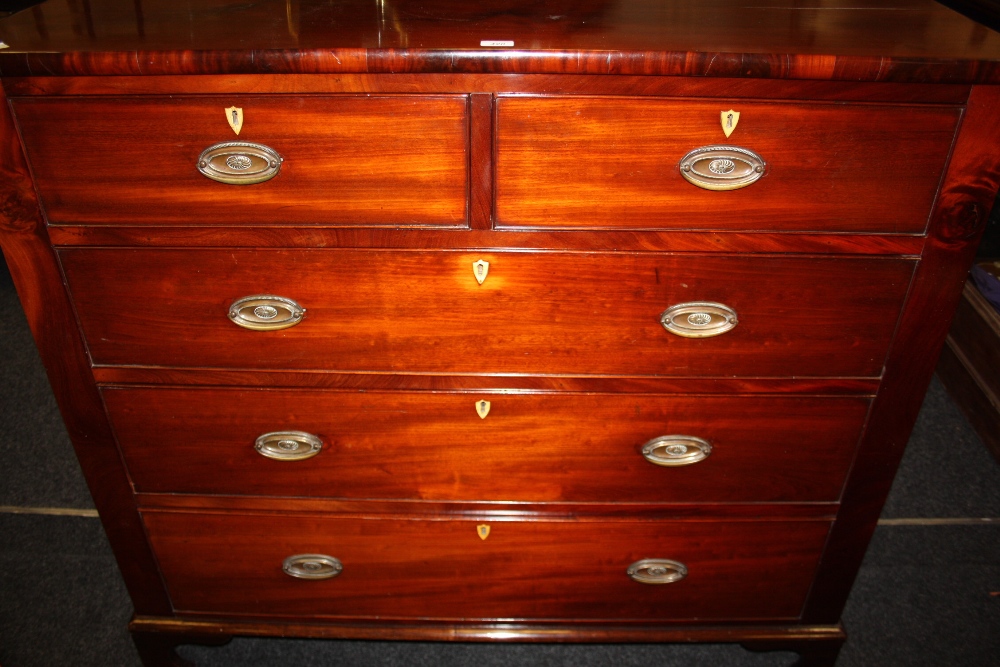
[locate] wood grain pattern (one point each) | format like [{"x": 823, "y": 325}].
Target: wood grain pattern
[
  {"x": 465, "y": 239},
  {"x": 529, "y": 448},
  {"x": 36, "y": 275},
  {"x": 828, "y": 40},
  {"x": 523, "y": 570},
  {"x": 576, "y": 314},
  {"x": 481, "y": 161},
  {"x": 959, "y": 218},
  {"x": 829, "y": 167},
  {"x": 566, "y": 84},
  {"x": 372, "y": 381},
  {"x": 347, "y": 160},
  {"x": 432, "y": 510},
  {"x": 843, "y": 289}
]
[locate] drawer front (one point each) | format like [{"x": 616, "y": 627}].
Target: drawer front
[
  {"x": 435, "y": 446},
  {"x": 346, "y": 160},
  {"x": 405, "y": 569},
  {"x": 614, "y": 163},
  {"x": 534, "y": 313}
]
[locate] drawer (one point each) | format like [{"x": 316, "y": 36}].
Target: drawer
[
  {"x": 435, "y": 446},
  {"x": 422, "y": 311},
  {"x": 579, "y": 162},
  {"x": 395, "y": 568},
  {"x": 346, "y": 159}
]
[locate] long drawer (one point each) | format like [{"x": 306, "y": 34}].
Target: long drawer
[
  {"x": 824, "y": 166},
  {"x": 436, "y": 446},
  {"x": 233, "y": 564},
  {"x": 379, "y": 160},
  {"x": 424, "y": 311}
]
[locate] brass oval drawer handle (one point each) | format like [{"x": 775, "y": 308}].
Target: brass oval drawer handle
[
  {"x": 657, "y": 571},
  {"x": 288, "y": 445},
  {"x": 699, "y": 319},
  {"x": 265, "y": 312},
  {"x": 312, "y": 566},
  {"x": 722, "y": 167},
  {"x": 239, "y": 163},
  {"x": 676, "y": 450}
]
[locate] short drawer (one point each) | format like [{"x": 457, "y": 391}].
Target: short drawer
[
  {"x": 378, "y": 160},
  {"x": 585, "y": 162},
  {"x": 396, "y": 568},
  {"x": 437, "y": 446},
  {"x": 421, "y": 311}
]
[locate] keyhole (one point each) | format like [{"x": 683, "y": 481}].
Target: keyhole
[
  {"x": 235, "y": 117},
  {"x": 730, "y": 120}
]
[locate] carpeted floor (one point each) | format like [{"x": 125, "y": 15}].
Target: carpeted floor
[{"x": 927, "y": 595}]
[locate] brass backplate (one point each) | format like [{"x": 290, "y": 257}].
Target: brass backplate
[{"x": 722, "y": 167}]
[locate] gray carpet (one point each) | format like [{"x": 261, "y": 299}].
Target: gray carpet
[{"x": 927, "y": 595}]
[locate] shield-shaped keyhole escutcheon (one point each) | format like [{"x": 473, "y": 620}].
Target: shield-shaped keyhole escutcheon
[
  {"x": 234, "y": 115},
  {"x": 483, "y": 531},
  {"x": 729, "y": 120},
  {"x": 481, "y": 269},
  {"x": 482, "y": 409}
]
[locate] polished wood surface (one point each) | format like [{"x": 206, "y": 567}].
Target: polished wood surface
[
  {"x": 206, "y": 377},
  {"x": 464, "y": 239},
  {"x": 569, "y": 84},
  {"x": 544, "y": 158},
  {"x": 489, "y": 631},
  {"x": 785, "y": 39},
  {"x": 957, "y": 223},
  {"x": 347, "y": 160},
  {"x": 541, "y": 447},
  {"x": 490, "y": 511},
  {"x": 818, "y": 646},
  {"x": 551, "y": 313},
  {"x": 34, "y": 269},
  {"x": 395, "y": 569},
  {"x": 829, "y": 167}
]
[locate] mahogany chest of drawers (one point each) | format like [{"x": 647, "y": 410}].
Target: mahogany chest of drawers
[{"x": 591, "y": 321}]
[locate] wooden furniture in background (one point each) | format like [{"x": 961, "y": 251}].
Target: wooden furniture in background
[
  {"x": 970, "y": 363},
  {"x": 493, "y": 410}
]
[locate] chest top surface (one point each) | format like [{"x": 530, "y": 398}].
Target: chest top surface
[{"x": 811, "y": 39}]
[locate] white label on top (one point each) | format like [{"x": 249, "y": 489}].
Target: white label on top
[{"x": 496, "y": 42}]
